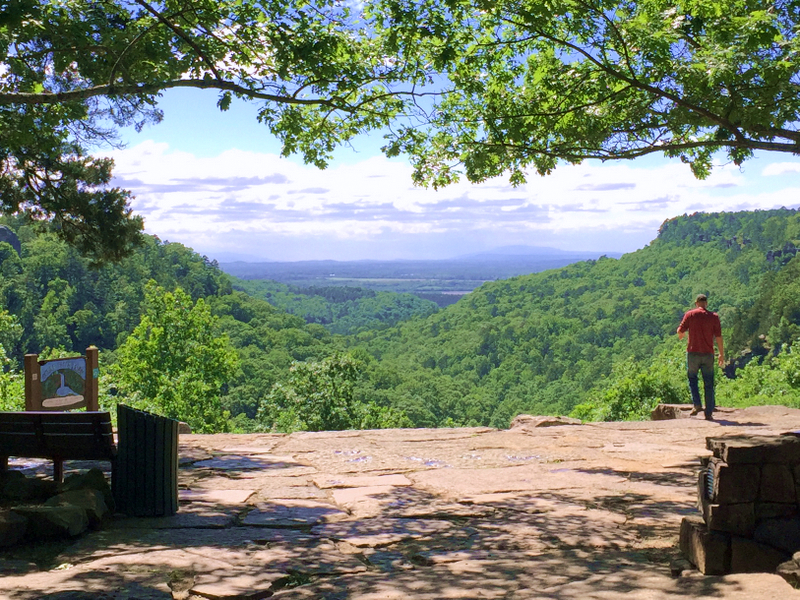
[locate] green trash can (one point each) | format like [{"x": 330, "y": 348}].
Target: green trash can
[{"x": 145, "y": 482}]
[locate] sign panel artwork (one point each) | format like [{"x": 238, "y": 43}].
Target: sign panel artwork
[{"x": 63, "y": 382}]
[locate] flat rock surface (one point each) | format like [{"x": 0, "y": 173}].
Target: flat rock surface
[{"x": 561, "y": 512}]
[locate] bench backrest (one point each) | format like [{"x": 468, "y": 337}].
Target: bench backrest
[{"x": 76, "y": 436}]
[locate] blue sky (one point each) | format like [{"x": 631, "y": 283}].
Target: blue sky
[{"x": 215, "y": 182}]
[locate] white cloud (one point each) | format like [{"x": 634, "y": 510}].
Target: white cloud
[
  {"x": 262, "y": 205},
  {"x": 783, "y": 168}
]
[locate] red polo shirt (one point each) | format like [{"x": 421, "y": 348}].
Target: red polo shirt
[{"x": 703, "y": 326}]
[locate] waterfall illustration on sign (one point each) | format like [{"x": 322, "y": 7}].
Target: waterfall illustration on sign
[{"x": 63, "y": 383}]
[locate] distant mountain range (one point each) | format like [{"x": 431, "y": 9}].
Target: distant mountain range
[
  {"x": 537, "y": 252},
  {"x": 497, "y": 263}
]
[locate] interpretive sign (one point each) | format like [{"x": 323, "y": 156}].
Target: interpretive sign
[{"x": 61, "y": 383}]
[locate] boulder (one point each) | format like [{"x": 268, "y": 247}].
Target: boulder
[
  {"x": 18, "y": 488},
  {"x": 664, "y": 412},
  {"x": 8, "y": 476},
  {"x": 790, "y": 570},
  {"x": 91, "y": 501},
  {"x": 46, "y": 522},
  {"x": 531, "y": 421},
  {"x": 12, "y": 528},
  {"x": 93, "y": 479}
]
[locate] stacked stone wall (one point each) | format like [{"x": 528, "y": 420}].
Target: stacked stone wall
[{"x": 749, "y": 497}]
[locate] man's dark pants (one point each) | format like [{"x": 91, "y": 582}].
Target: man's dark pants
[{"x": 704, "y": 363}]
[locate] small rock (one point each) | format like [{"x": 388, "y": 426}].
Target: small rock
[
  {"x": 93, "y": 479},
  {"x": 180, "y": 582},
  {"x": 184, "y": 428},
  {"x": 46, "y": 522},
  {"x": 678, "y": 566},
  {"x": 12, "y": 528},
  {"x": 790, "y": 571},
  {"x": 19, "y": 488},
  {"x": 89, "y": 500},
  {"x": 9, "y": 474}
]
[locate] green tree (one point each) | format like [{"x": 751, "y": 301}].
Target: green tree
[
  {"x": 483, "y": 87},
  {"x": 74, "y": 70},
  {"x": 54, "y": 316},
  {"x": 766, "y": 380},
  {"x": 531, "y": 83},
  {"x": 174, "y": 363},
  {"x": 320, "y": 396},
  {"x": 12, "y": 385},
  {"x": 633, "y": 390}
]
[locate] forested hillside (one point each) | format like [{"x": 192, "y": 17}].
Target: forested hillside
[
  {"x": 543, "y": 343},
  {"x": 595, "y": 338},
  {"x": 61, "y": 302},
  {"x": 340, "y": 309},
  {"x": 58, "y": 305}
]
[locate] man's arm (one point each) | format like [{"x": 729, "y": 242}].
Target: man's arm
[
  {"x": 721, "y": 348},
  {"x": 683, "y": 328}
]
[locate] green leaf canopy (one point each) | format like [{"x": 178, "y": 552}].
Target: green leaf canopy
[
  {"x": 73, "y": 70},
  {"x": 529, "y": 83},
  {"x": 462, "y": 87}
]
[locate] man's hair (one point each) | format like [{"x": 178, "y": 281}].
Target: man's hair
[{"x": 701, "y": 298}]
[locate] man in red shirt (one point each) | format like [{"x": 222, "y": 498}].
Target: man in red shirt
[{"x": 704, "y": 329}]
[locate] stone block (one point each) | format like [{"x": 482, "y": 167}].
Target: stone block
[
  {"x": 740, "y": 448},
  {"x": 733, "y": 484},
  {"x": 46, "y": 522},
  {"x": 709, "y": 551},
  {"x": 731, "y": 518},
  {"x": 783, "y": 534},
  {"x": 773, "y": 510},
  {"x": 12, "y": 528},
  {"x": 750, "y": 556},
  {"x": 777, "y": 484},
  {"x": 785, "y": 450},
  {"x": 796, "y": 474},
  {"x": 756, "y": 449}
]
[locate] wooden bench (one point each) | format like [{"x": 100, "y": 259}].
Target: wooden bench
[{"x": 58, "y": 436}]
